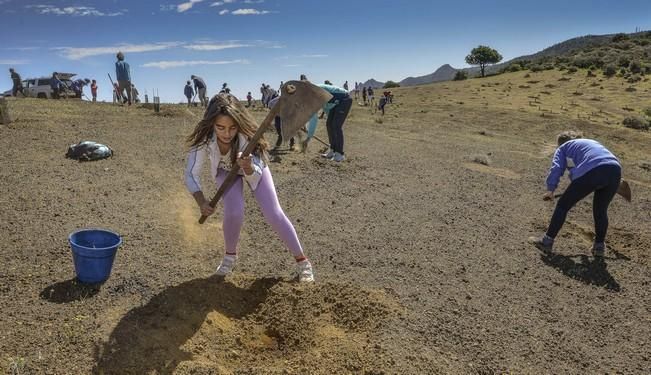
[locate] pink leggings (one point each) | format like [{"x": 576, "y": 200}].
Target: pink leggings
[{"x": 265, "y": 194}]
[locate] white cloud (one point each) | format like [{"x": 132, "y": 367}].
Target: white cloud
[
  {"x": 186, "y": 6},
  {"x": 291, "y": 65},
  {"x": 317, "y": 56},
  {"x": 76, "y": 53},
  {"x": 249, "y": 11},
  {"x": 167, "y": 7},
  {"x": 181, "y": 63},
  {"x": 220, "y": 3},
  {"x": 73, "y": 11},
  {"x": 13, "y": 62},
  {"x": 223, "y": 11},
  {"x": 207, "y": 46},
  {"x": 253, "y": 1}
]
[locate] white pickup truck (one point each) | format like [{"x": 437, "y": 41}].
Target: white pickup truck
[{"x": 40, "y": 87}]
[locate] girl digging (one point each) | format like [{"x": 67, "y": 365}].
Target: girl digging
[{"x": 222, "y": 135}]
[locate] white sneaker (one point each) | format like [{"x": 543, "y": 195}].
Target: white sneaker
[
  {"x": 329, "y": 154},
  {"x": 226, "y": 266},
  {"x": 338, "y": 157},
  {"x": 305, "y": 272}
]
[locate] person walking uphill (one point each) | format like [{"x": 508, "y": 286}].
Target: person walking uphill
[
  {"x": 123, "y": 75},
  {"x": 200, "y": 88},
  {"x": 592, "y": 168},
  {"x": 17, "y": 83},
  {"x": 222, "y": 135},
  {"x": 337, "y": 109},
  {"x": 188, "y": 92}
]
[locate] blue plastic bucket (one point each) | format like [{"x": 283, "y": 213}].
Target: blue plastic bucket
[{"x": 93, "y": 252}]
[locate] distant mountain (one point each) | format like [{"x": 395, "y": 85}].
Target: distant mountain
[
  {"x": 373, "y": 83},
  {"x": 568, "y": 48},
  {"x": 444, "y": 73}
]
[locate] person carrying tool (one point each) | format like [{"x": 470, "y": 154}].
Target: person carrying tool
[
  {"x": 78, "y": 87},
  {"x": 337, "y": 110},
  {"x": 592, "y": 168},
  {"x": 222, "y": 135},
  {"x": 17, "y": 83},
  {"x": 188, "y": 92},
  {"x": 200, "y": 88},
  {"x": 123, "y": 76}
]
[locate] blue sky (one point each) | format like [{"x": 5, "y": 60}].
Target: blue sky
[{"x": 247, "y": 42}]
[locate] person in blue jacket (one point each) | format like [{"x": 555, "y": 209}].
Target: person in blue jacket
[
  {"x": 337, "y": 110},
  {"x": 188, "y": 92},
  {"x": 123, "y": 75},
  {"x": 592, "y": 168}
]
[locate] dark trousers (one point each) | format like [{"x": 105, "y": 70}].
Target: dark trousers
[
  {"x": 278, "y": 126},
  {"x": 16, "y": 88},
  {"x": 604, "y": 182},
  {"x": 335, "y": 124}
]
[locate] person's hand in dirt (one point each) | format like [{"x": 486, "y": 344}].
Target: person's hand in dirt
[
  {"x": 548, "y": 196},
  {"x": 245, "y": 163}
]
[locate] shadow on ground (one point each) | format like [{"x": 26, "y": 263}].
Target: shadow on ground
[
  {"x": 149, "y": 338},
  {"x": 590, "y": 271},
  {"x": 69, "y": 291}
]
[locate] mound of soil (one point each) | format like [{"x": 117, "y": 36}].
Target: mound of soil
[{"x": 245, "y": 325}]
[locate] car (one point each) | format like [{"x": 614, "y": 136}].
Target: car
[{"x": 40, "y": 87}]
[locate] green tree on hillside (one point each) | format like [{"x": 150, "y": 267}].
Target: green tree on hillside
[
  {"x": 483, "y": 55},
  {"x": 390, "y": 85}
]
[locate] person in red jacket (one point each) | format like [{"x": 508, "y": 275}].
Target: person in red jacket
[{"x": 93, "y": 90}]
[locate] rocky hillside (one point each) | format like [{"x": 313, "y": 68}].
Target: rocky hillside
[{"x": 616, "y": 51}]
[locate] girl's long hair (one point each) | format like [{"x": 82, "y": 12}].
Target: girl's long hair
[{"x": 227, "y": 104}]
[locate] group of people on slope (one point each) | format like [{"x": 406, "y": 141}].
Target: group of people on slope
[
  {"x": 200, "y": 89},
  {"x": 227, "y": 127},
  {"x": 57, "y": 86}
]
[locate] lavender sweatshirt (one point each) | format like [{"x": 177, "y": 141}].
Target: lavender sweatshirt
[{"x": 579, "y": 156}]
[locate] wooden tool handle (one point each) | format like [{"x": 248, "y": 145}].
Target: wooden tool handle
[{"x": 253, "y": 142}]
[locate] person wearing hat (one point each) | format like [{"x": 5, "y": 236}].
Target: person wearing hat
[
  {"x": 123, "y": 75},
  {"x": 18, "y": 83}
]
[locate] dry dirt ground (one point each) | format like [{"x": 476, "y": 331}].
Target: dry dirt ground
[{"x": 420, "y": 251}]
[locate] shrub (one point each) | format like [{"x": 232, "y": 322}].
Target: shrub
[
  {"x": 636, "y": 123},
  {"x": 624, "y": 61},
  {"x": 647, "y": 111},
  {"x": 635, "y": 67},
  {"x": 586, "y": 61},
  {"x": 634, "y": 78},
  {"x": 572, "y": 69},
  {"x": 515, "y": 67},
  {"x": 536, "y": 68},
  {"x": 610, "y": 70},
  {"x": 620, "y": 37},
  {"x": 390, "y": 85},
  {"x": 460, "y": 75},
  {"x": 622, "y": 71}
]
